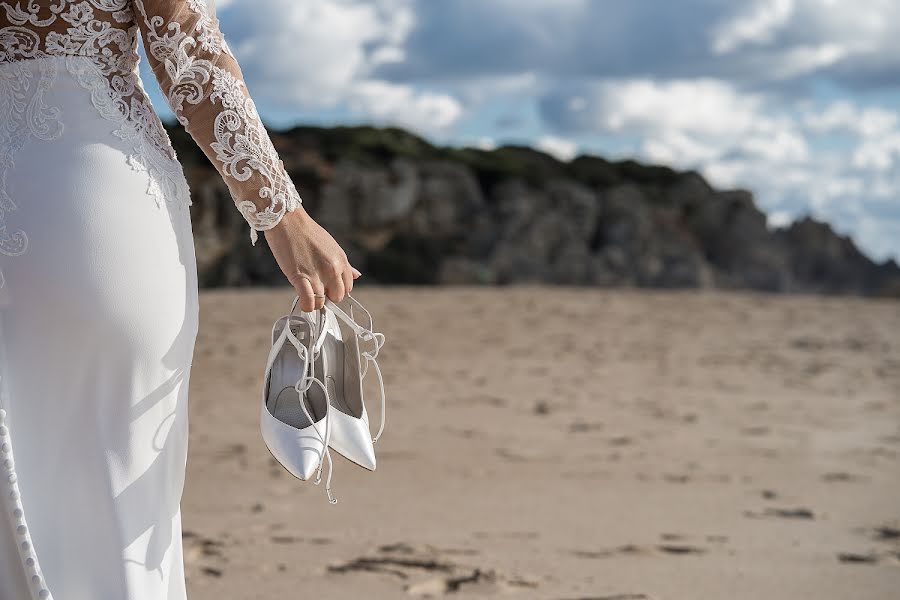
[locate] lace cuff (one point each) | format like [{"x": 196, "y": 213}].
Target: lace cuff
[{"x": 204, "y": 86}]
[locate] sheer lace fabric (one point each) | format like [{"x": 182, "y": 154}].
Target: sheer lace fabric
[
  {"x": 196, "y": 71},
  {"x": 204, "y": 86}
]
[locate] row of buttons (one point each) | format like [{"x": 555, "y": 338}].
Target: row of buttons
[{"x": 18, "y": 513}]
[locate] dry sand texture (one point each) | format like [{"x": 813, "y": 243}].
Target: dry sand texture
[{"x": 563, "y": 443}]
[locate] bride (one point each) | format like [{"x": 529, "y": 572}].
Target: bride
[{"x": 98, "y": 283}]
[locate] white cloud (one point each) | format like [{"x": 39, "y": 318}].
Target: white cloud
[
  {"x": 485, "y": 143},
  {"x": 311, "y": 54},
  {"x": 843, "y": 116},
  {"x": 687, "y": 122},
  {"x": 706, "y": 107},
  {"x": 402, "y": 105},
  {"x": 781, "y": 146},
  {"x": 321, "y": 55},
  {"x": 873, "y": 132},
  {"x": 756, "y": 25},
  {"x": 801, "y": 60},
  {"x": 674, "y": 147},
  {"x": 779, "y": 218},
  {"x": 879, "y": 154},
  {"x": 561, "y": 148}
]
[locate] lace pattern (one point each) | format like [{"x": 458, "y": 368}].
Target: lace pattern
[
  {"x": 243, "y": 146},
  {"x": 194, "y": 80},
  {"x": 138, "y": 124},
  {"x": 109, "y": 40},
  {"x": 197, "y": 72},
  {"x": 23, "y": 115},
  {"x": 206, "y": 28}
]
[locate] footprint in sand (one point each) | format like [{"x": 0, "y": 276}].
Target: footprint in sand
[
  {"x": 887, "y": 536},
  {"x": 442, "y": 576},
  {"x": 782, "y": 513},
  {"x": 275, "y": 468},
  {"x": 756, "y": 430},
  {"x": 680, "y": 549},
  {"x": 232, "y": 452},
  {"x": 618, "y": 597},
  {"x": 841, "y": 476},
  {"x": 638, "y": 550},
  {"x": 853, "y": 557},
  {"x": 583, "y": 427},
  {"x": 202, "y": 555},
  {"x": 712, "y": 537},
  {"x": 515, "y": 535},
  {"x": 284, "y": 539},
  {"x": 885, "y": 533},
  {"x": 485, "y": 582}
]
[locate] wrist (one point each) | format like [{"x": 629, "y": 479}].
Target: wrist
[{"x": 289, "y": 220}]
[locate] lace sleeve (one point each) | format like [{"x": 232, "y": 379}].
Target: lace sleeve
[{"x": 203, "y": 85}]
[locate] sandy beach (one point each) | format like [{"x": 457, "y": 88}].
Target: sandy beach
[{"x": 566, "y": 443}]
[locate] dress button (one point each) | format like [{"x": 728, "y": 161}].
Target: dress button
[
  {"x": 36, "y": 579},
  {"x": 12, "y": 478},
  {"x": 2, "y": 413},
  {"x": 4, "y": 430},
  {"x": 29, "y": 561},
  {"x": 26, "y": 546},
  {"x": 43, "y": 593},
  {"x": 21, "y": 530}
]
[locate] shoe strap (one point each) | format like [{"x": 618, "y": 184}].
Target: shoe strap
[
  {"x": 365, "y": 333},
  {"x": 301, "y": 389},
  {"x": 318, "y": 327},
  {"x": 305, "y": 382}
]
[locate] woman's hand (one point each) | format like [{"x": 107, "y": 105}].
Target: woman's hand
[{"x": 311, "y": 260}]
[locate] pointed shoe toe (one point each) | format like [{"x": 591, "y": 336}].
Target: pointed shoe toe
[
  {"x": 350, "y": 438},
  {"x": 299, "y": 451}
]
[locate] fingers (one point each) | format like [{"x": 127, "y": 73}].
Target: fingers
[
  {"x": 307, "y": 295},
  {"x": 356, "y": 272},
  {"x": 334, "y": 289},
  {"x": 311, "y": 293},
  {"x": 347, "y": 276},
  {"x": 320, "y": 294}
]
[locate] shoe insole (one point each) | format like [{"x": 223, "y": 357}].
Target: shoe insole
[{"x": 283, "y": 400}]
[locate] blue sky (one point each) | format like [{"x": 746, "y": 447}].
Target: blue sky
[{"x": 796, "y": 100}]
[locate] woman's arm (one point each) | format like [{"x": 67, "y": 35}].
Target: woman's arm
[{"x": 203, "y": 85}]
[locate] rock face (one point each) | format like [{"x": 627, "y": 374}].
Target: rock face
[{"x": 408, "y": 212}]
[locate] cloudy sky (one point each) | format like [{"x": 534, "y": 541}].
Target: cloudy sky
[{"x": 797, "y": 100}]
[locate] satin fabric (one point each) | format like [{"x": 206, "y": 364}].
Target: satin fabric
[{"x": 97, "y": 326}]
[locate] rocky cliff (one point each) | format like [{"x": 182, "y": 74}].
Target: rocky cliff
[{"x": 410, "y": 212}]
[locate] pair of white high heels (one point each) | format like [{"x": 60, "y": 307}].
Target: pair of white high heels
[{"x": 312, "y": 400}]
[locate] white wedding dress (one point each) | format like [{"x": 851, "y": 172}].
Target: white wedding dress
[{"x": 98, "y": 284}]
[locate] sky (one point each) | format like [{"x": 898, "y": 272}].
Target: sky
[{"x": 796, "y": 100}]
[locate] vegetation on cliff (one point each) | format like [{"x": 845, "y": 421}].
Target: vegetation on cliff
[{"x": 407, "y": 211}]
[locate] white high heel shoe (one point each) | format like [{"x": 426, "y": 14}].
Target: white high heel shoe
[
  {"x": 294, "y": 416},
  {"x": 339, "y": 362}
]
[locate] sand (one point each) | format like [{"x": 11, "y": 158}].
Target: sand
[{"x": 564, "y": 443}]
